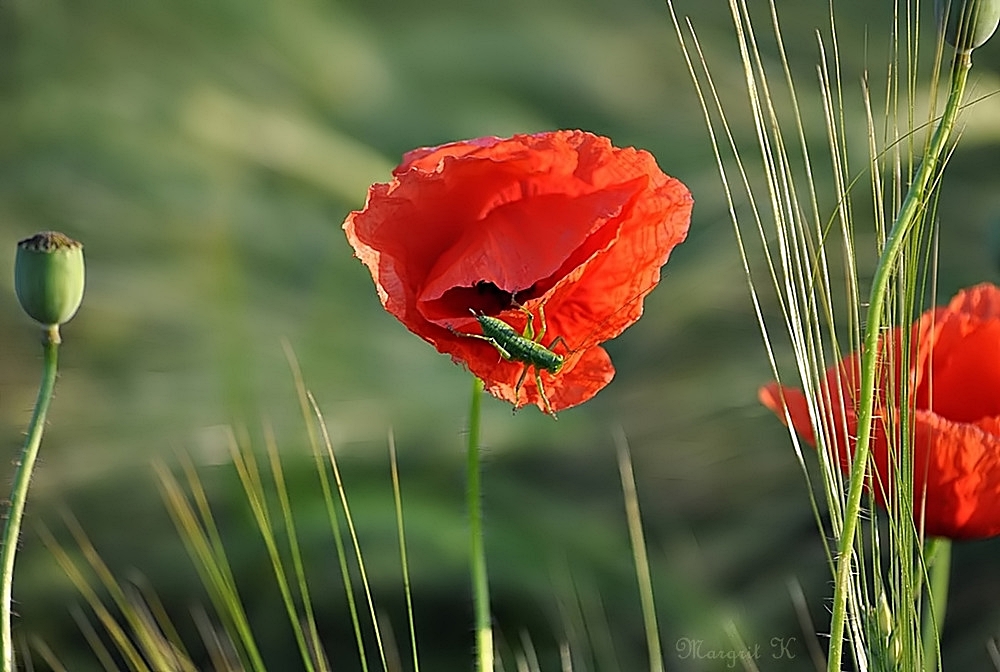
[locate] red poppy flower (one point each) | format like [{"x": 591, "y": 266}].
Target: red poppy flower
[
  {"x": 562, "y": 221},
  {"x": 954, "y": 394}
]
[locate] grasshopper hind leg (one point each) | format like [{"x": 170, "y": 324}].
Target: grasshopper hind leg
[
  {"x": 520, "y": 384},
  {"x": 541, "y": 393},
  {"x": 538, "y": 384}
]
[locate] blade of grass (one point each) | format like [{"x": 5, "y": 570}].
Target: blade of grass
[
  {"x": 806, "y": 625},
  {"x": 155, "y": 643},
  {"x": 161, "y": 621},
  {"x": 571, "y": 617},
  {"x": 703, "y": 94},
  {"x": 598, "y": 628},
  {"x": 149, "y": 640},
  {"x": 639, "y": 553},
  {"x": 108, "y": 621},
  {"x": 804, "y": 284},
  {"x": 332, "y": 458},
  {"x": 253, "y": 488},
  {"x": 529, "y": 659},
  {"x": 398, "y": 500},
  {"x": 93, "y": 639},
  {"x": 47, "y": 655},
  {"x": 220, "y": 649},
  {"x": 197, "y": 529},
  {"x": 305, "y": 405}
]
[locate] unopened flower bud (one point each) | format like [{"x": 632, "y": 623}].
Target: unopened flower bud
[
  {"x": 968, "y": 23},
  {"x": 884, "y": 616},
  {"x": 49, "y": 277}
]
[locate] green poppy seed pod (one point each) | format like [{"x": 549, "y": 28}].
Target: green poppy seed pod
[
  {"x": 49, "y": 277},
  {"x": 967, "y": 24}
]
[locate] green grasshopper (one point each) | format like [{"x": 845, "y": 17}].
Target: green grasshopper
[{"x": 526, "y": 348}]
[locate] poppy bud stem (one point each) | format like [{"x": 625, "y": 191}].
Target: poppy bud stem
[
  {"x": 19, "y": 494},
  {"x": 49, "y": 282},
  {"x": 914, "y": 206},
  {"x": 480, "y": 583}
]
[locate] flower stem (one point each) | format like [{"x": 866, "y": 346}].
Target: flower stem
[
  {"x": 912, "y": 208},
  {"x": 19, "y": 494},
  {"x": 938, "y": 560},
  {"x": 480, "y": 584}
]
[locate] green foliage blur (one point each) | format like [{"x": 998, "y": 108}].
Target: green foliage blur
[{"x": 206, "y": 153}]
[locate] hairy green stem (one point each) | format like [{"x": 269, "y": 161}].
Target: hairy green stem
[
  {"x": 913, "y": 204},
  {"x": 480, "y": 584},
  {"x": 19, "y": 494}
]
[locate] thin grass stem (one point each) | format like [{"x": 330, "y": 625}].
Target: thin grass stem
[
  {"x": 398, "y": 499},
  {"x": 123, "y": 643},
  {"x": 48, "y": 655},
  {"x": 253, "y": 487},
  {"x": 351, "y": 529},
  {"x": 639, "y": 554},
  {"x": 305, "y": 404},
  {"x": 89, "y": 633}
]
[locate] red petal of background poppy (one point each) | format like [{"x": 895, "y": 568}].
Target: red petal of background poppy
[
  {"x": 956, "y": 465},
  {"x": 963, "y": 372},
  {"x": 781, "y": 399},
  {"x": 962, "y": 475},
  {"x": 981, "y": 301},
  {"x": 561, "y": 219},
  {"x": 956, "y": 443}
]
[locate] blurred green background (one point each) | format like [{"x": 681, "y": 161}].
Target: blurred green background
[{"x": 206, "y": 153}]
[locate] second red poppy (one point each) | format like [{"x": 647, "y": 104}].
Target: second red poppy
[{"x": 952, "y": 403}]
